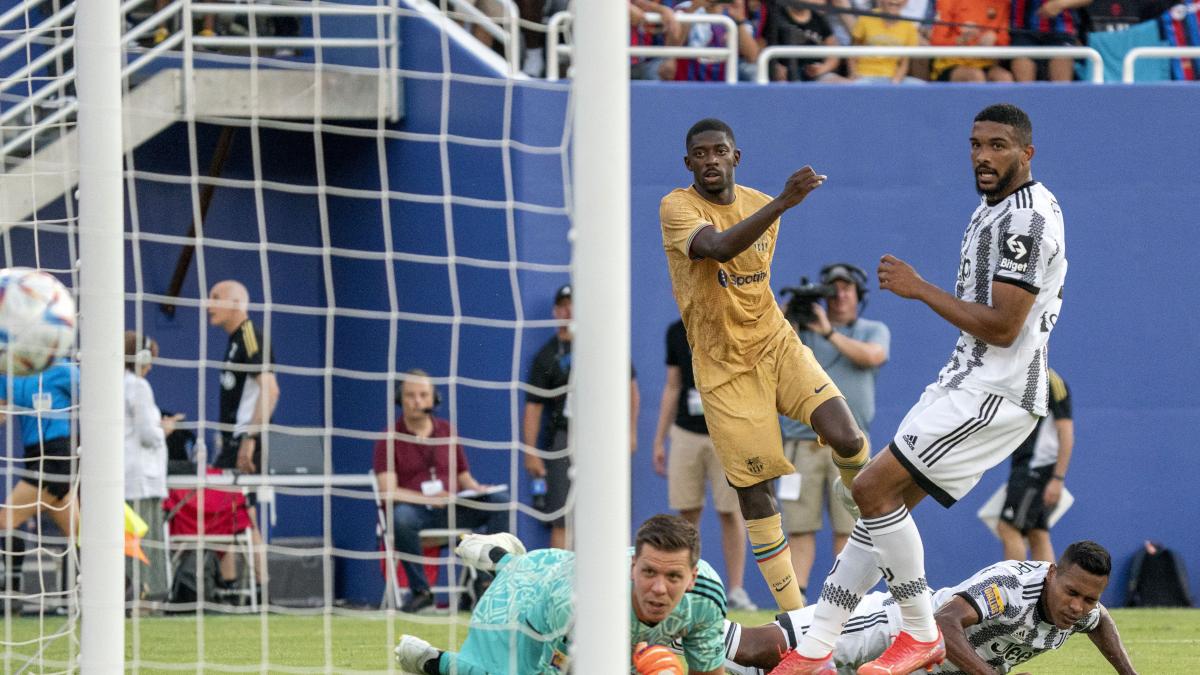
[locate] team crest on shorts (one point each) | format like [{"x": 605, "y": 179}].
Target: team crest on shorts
[
  {"x": 755, "y": 465},
  {"x": 995, "y": 603},
  {"x": 560, "y": 661}
]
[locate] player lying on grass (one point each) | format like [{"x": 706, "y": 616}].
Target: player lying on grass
[
  {"x": 999, "y": 618},
  {"x": 522, "y": 623}
]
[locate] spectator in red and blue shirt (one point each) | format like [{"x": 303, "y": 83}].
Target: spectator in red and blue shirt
[
  {"x": 1045, "y": 23},
  {"x": 748, "y": 22},
  {"x": 666, "y": 30}
]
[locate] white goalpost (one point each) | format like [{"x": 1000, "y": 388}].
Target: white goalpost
[
  {"x": 102, "y": 348},
  {"x": 601, "y": 262}
]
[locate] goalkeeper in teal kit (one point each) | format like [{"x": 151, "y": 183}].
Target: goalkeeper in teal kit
[{"x": 523, "y": 623}]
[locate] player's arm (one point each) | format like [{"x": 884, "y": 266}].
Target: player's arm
[
  {"x": 635, "y": 404},
  {"x": 530, "y": 425},
  {"x": 1066, "y": 442},
  {"x": 268, "y": 397},
  {"x": 999, "y": 324},
  {"x": 870, "y": 353},
  {"x": 953, "y": 618},
  {"x": 1108, "y": 641},
  {"x": 1052, "y": 8},
  {"x": 667, "y": 405},
  {"x": 392, "y": 492},
  {"x": 704, "y": 645},
  {"x": 147, "y": 422},
  {"x": 724, "y": 246},
  {"x": 264, "y": 407}
]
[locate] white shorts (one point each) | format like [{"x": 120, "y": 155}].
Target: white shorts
[
  {"x": 952, "y": 436},
  {"x": 869, "y": 631}
]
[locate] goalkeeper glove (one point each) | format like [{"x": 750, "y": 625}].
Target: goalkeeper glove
[{"x": 655, "y": 660}]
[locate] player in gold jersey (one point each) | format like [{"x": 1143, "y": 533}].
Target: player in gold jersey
[{"x": 748, "y": 361}]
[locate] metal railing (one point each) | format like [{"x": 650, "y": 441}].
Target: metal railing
[
  {"x": 781, "y": 52},
  {"x": 728, "y": 53},
  {"x": 52, "y": 95},
  {"x": 509, "y": 34},
  {"x": 1127, "y": 65}
]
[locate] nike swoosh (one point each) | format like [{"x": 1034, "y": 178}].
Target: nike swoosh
[{"x": 818, "y": 389}]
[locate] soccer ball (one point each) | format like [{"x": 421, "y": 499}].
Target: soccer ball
[{"x": 37, "y": 321}]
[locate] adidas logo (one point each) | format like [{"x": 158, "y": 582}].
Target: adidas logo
[{"x": 910, "y": 441}]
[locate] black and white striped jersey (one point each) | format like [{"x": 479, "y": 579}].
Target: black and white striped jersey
[
  {"x": 1018, "y": 241},
  {"x": 1012, "y": 628}
]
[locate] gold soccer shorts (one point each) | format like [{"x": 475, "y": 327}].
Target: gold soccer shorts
[{"x": 743, "y": 413}]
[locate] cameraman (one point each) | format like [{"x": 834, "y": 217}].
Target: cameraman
[{"x": 851, "y": 350}]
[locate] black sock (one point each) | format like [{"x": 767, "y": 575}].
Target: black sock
[
  {"x": 496, "y": 554},
  {"x": 431, "y": 666}
]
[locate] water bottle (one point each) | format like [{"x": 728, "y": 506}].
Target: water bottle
[{"x": 537, "y": 488}]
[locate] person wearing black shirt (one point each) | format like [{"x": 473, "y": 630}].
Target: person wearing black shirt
[
  {"x": 548, "y": 412},
  {"x": 249, "y": 393}
]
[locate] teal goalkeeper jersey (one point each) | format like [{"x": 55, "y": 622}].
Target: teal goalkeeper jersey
[{"x": 522, "y": 624}]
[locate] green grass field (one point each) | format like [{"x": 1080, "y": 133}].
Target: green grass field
[{"x": 1160, "y": 641}]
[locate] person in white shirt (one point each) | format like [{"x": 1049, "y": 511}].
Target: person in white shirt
[{"x": 146, "y": 432}]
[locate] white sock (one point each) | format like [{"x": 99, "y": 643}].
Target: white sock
[
  {"x": 854, "y": 573},
  {"x": 902, "y": 556}
]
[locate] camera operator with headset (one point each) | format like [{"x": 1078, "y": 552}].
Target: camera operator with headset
[{"x": 850, "y": 349}]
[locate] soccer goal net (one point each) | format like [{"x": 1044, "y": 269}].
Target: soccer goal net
[{"x": 319, "y": 199}]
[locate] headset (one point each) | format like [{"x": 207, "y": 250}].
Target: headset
[
  {"x": 415, "y": 373},
  {"x": 144, "y": 354},
  {"x": 857, "y": 275}
]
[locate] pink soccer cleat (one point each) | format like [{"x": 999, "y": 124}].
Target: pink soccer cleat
[
  {"x": 906, "y": 655},
  {"x": 795, "y": 663}
]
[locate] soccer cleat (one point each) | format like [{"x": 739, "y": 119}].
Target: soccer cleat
[
  {"x": 906, "y": 655},
  {"x": 412, "y": 653},
  {"x": 795, "y": 663},
  {"x": 418, "y": 602},
  {"x": 475, "y": 549},
  {"x": 846, "y": 498},
  {"x": 737, "y": 598}
]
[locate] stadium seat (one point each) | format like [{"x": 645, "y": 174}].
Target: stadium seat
[
  {"x": 433, "y": 541},
  {"x": 227, "y": 529}
]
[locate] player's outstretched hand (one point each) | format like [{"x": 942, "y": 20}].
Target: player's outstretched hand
[
  {"x": 899, "y": 277},
  {"x": 799, "y": 185},
  {"x": 655, "y": 660}
]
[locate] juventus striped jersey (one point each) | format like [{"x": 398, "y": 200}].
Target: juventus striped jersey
[
  {"x": 1018, "y": 241},
  {"x": 1012, "y": 628}
]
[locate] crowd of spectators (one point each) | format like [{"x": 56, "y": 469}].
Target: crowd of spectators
[{"x": 764, "y": 23}]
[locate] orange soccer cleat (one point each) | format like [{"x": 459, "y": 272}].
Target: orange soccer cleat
[
  {"x": 906, "y": 655},
  {"x": 795, "y": 663}
]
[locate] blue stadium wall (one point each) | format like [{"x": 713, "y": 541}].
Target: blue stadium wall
[
  {"x": 1122, "y": 161},
  {"x": 900, "y": 182}
]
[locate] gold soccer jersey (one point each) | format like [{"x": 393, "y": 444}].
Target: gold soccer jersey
[{"x": 729, "y": 310}]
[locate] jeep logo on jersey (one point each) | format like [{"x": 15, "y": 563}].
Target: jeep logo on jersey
[
  {"x": 727, "y": 280},
  {"x": 1014, "y": 254}
]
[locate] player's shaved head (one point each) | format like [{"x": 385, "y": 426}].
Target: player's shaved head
[
  {"x": 231, "y": 292},
  {"x": 669, "y": 533},
  {"x": 227, "y": 304},
  {"x": 1088, "y": 556},
  {"x": 708, "y": 124},
  {"x": 1010, "y": 115}
]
